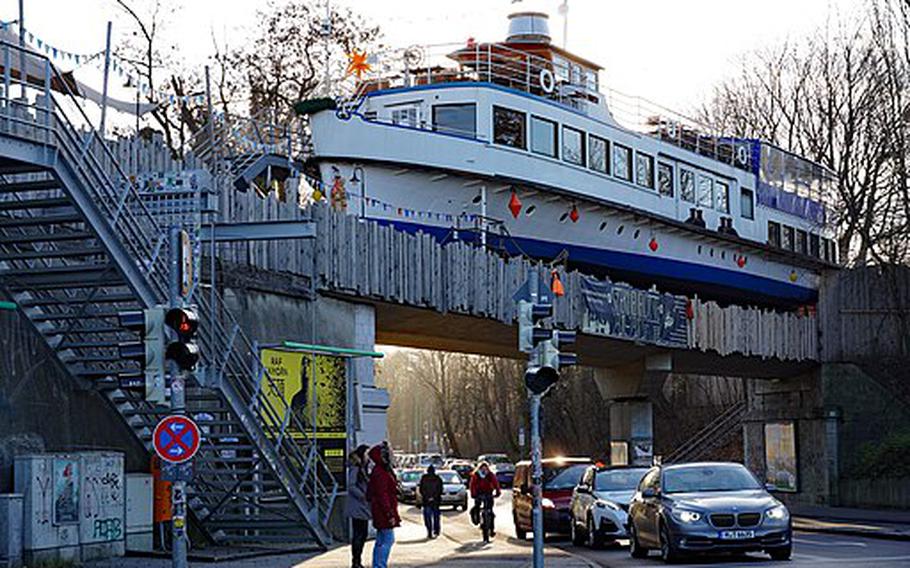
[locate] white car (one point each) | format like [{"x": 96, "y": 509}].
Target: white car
[{"x": 600, "y": 504}]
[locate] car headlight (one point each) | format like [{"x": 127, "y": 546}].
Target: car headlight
[
  {"x": 687, "y": 516},
  {"x": 607, "y": 505},
  {"x": 777, "y": 513},
  {"x": 547, "y": 503}
]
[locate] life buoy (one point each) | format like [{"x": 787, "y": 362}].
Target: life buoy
[{"x": 547, "y": 81}]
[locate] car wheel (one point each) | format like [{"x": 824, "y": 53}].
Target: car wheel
[
  {"x": 577, "y": 539},
  {"x": 594, "y": 539},
  {"x": 781, "y": 553},
  {"x": 635, "y": 549},
  {"x": 668, "y": 551}
]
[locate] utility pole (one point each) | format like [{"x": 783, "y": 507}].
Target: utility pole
[{"x": 178, "y": 407}]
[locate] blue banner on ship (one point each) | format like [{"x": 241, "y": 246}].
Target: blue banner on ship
[{"x": 624, "y": 312}]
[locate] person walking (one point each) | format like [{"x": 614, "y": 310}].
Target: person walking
[
  {"x": 356, "y": 507},
  {"x": 431, "y": 498},
  {"x": 382, "y": 493}
]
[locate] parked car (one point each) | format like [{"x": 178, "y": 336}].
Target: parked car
[
  {"x": 691, "y": 508},
  {"x": 454, "y": 492},
  {"x": 501, "y": 466},
  {"x": 407, "y": 485},
  {"x": 464, "y": 468},
  {"x": 600, "y": 504},
  {"x": 426, "y": 460},
  {"x": 560, "y": 476}
]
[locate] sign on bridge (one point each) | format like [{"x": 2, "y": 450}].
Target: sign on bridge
[{"x": 624, "y": 312}]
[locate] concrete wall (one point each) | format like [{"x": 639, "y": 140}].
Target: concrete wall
[{"x": 42, "y": 408}]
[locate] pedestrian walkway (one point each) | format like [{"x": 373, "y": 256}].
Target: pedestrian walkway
[{"x": 873, "y": 523}]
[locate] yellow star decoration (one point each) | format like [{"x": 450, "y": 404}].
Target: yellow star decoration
[{"x": 357, "y": 63}]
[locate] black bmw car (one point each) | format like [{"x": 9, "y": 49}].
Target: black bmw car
[{"x": 706, "y": 507}]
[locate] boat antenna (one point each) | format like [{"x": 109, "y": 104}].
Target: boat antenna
[
  {"x": 326, "y": 36},
  {"x": 564, "y": 12}
]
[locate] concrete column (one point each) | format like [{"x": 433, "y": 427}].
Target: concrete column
[{"x": 631, "y": 422}]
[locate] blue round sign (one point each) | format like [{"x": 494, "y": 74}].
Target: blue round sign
[{"x": 176, "y": 439}]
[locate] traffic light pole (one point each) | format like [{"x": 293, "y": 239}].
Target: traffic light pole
[
  {"x": 536, "y": 466},
  {"x": 178, "y": 407}
]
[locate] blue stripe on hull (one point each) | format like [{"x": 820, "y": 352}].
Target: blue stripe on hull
[{"x": 660, "y": 268}]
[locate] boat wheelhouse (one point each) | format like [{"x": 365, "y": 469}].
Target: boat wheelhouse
[{"x": 514, "y": 145}]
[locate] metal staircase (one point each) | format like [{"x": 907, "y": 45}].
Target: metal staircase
[
  {"x": 77, "y": 245},
  {"x": 711, "y": 436}
]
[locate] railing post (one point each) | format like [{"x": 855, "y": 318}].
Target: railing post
[
  {"x": 48, "y": 101},
  {"x": 7, "y": 84}
]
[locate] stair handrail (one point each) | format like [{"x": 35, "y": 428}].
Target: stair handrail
[{"x": 730, "y": 414}]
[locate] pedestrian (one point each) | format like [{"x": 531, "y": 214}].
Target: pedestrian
[
  {"x": 382, "y": 493},
  {"x": 356, "y": 507},
  {"x": 431, "y": 498}
]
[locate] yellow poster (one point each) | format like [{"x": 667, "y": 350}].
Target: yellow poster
[{"x": 312, "y": 386}]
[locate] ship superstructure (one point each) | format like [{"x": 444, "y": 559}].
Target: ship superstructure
[{"x": 514, "y": 145}]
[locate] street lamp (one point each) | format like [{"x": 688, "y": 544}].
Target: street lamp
[{"x": 362, "y": 181}]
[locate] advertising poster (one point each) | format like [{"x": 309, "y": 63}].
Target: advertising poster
[
  {"x": 780, "y": 456},
  {"x": 66, "y": 491},
  {"x": 314, "y": 388}
]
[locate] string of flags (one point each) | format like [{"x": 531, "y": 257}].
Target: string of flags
[{"x": 49, "y": 49}]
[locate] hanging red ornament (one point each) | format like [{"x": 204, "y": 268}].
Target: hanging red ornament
[
  {"x": 741, "y": 261},
  {"x": 556, "y": 285},
  {"x": 653, "y": 245},
  {"x": 574, "y": 214},
  {"x": 515, "y": 205},
  {"x": 690, "y": 310}
]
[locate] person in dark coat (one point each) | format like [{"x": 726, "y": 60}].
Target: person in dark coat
[
  {"x": 356, "y": 507},
  {"x": 430, "y": 499},
  {"x": 382, "y": 493}
]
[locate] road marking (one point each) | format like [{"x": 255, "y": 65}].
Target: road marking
[{"x": 830, "y": 543}]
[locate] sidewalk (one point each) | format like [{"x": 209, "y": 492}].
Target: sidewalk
[{"x": 871, "y": 523}]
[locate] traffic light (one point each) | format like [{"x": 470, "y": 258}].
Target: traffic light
[
  {"x": 540, "y": 379},
  {"x": 549, "y": 358},
  {"x": 530, "y": 334},
  {"x": 149, "y": 352},
  {"x": 183, "y": 351},
  {"x": 554, "y": 355}
]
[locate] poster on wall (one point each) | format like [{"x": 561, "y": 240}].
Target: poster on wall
[
  {"x": 780, "y": 455},
  {"x": 66, "y": 491},
  {"x": 314, "y": 389}
]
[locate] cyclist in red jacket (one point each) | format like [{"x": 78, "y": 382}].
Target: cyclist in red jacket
[{"x": 484, "y": 489}]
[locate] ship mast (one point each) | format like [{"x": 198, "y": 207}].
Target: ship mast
[{"x": 564, "y": 12}]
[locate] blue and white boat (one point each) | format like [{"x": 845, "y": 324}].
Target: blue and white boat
[{"x": 515, "y": 146}]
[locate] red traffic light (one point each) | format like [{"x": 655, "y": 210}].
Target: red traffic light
[{"x": 184, "y": 321}]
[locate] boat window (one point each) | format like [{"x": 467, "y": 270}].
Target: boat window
[
  {"x": 599, "y": 154},
  {"x": 705, "y": 191},
  {"x": 644, "y": 170},
  {"x": 622, "y": 162},
  {"x": 665, "y": 179},
  {"x": 509, "y": 127},
  {"x": 573, "y": 145},
  {"x": 747, "y": 203},
  {"x": 460, "y": 119},
  {"x": 722, "y": 196},
  {"x": 786, "y": 240},
  {"x": 814, "y": 245},
  {"x": 406, "y": 116},
  {"x": 687, "y": 185},
  {"x": 802, "y": 246},
  {"x": 543, "y": 136},
  {"x": 773, "y": 234}
]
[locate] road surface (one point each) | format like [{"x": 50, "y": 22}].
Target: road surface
[{"x": 809, "y": 549}]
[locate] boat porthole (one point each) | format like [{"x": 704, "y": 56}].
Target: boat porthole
[
  {"x": 530, "y": 210},
  {"x": 563, "y": 217},
  {"x": 723, "y": 254},
  {"x": 699, "y": 249},
  {"x": 619, "y": 230},
  {"x": 476, "y": 199},
  {"x": 637, "y": 232},
  {"x": 603, "y": 225},
  {"x": 711, "y": 252}
]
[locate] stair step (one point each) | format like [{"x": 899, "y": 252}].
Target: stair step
[
  {"x": 88, "y": 344},
  {"x": 34, "y": 185},
  {"x": 72, "y": 316},
  {"x": 56, "y": 253},
  {"x": 38, "y": 203},
  {"x": 57, "y": 219},
  {"x": 80, "y": 299},
  {"x": 91, "y": 358},
  {"x": 45, "y": 237},
  {"x": 21, "y": 168},
  {"x": 52, "y": 331}
]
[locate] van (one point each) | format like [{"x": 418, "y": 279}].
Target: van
[{"x": 560, "y": 476}]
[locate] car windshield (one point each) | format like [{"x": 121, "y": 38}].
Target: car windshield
[
  {"x": 450, "y": 477},
  {"x": 495, "y": 459},
  {"x": 708, "y": 478},
  {"x": 618, "y": 479},
  {"x": 410, "y": 476},
  {"x": 564, "y": 477}
]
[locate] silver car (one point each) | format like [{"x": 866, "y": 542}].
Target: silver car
[
  {"x": 407, "y": 485},
  {"x": 600, "y": 504},
  {"x": 454, "y": 492}
]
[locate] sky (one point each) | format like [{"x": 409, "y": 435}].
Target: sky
[{"x": 668, "y": 51}]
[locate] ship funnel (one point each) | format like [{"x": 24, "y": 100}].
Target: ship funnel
[{"x": 529, "y": 27}]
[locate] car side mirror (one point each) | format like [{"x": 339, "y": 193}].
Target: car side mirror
[{"x": 649, "y": 493}]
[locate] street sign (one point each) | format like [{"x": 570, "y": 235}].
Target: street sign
[
  {"x": 544, "y": 296},
  {"x": 176, "y": 439},
  {"x": 177, "y": 471}
]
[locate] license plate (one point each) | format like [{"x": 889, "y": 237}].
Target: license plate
[{"x": 736, "y": 535}]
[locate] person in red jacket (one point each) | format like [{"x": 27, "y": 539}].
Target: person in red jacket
[
  {"x": 382, "y": 493},
  {"x": 484, "y": 489}
]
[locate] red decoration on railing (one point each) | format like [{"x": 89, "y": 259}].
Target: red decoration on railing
[
  {"x": 690, "y": 311},
  {"x": 653, "y": 245},
  {"x": 574, "y": 214},
  {"x": 514, "y": 205},
  {"x": 556, "y": 284}
]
